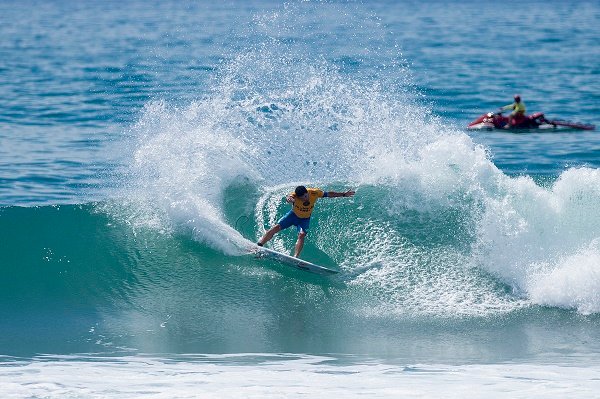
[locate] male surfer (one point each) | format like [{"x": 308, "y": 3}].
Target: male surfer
[
  {"x": 518, "y": 114},
  {"x": 303, "y": 201}
]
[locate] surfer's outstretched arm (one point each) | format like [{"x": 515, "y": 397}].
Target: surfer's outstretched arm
[{"x": 334, "y": 194}]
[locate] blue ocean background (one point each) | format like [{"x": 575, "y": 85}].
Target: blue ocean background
[{"x": 144, "y": 145}]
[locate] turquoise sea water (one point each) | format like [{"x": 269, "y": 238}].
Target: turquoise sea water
[{"x": 143, "y": 145}]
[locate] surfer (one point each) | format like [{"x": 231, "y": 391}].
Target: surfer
[{"x": 303, "y": 201}]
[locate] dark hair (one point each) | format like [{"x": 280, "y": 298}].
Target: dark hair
[{"x": 300, "y": 191}]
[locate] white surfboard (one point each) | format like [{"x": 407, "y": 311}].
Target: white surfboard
[{"x": 291, "y": 261}]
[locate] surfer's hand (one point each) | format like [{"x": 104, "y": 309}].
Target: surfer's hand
[
  {"x": 349, "y": 193},
  {"x": 290, "y": 199}
]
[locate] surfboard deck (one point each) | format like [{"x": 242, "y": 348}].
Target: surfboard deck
[{"x": 291, "y": 261}]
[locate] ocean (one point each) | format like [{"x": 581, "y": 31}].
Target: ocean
[{"x": 144, "y": 145}]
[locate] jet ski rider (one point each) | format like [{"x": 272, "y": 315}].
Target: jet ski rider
[{"x": 517, "y": 116}]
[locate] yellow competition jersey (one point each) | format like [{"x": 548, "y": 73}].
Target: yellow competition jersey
[
  {"x": 303, "y": 209},
  {"x": 517, "y": 106}
]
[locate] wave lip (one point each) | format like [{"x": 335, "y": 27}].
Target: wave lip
[
  {"x": 543, "y": 241},
  {"x": 572, "y": 282}
]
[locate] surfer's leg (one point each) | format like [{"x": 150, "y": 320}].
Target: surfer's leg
[
  {"x": 302, "y": 226},
  {"x": 268, "y": 235},
  {"x": 282, "y": 224},
  {"x": 299, "y": 243}
]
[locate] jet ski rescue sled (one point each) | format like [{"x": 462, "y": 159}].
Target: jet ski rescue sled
[{"x": 495, "y": 120}]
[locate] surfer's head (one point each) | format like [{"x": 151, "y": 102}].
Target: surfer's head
[
  {"x": 517, "y": 98},
  {"x": 300, "y": 191}
]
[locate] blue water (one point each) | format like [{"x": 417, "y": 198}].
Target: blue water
[{"x": 143, "y": 145}]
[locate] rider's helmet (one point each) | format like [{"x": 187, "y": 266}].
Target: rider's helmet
[{"x": 517, "y": 98}]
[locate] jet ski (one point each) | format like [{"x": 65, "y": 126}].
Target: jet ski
[{"x": 495, "y": 120}]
